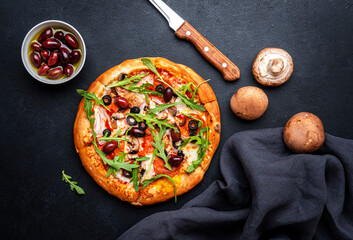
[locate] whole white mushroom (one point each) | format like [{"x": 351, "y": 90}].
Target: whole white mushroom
[{"x": 272, "y": 67}]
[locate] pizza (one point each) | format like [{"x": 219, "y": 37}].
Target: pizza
[{"x": 146, "y": 130}]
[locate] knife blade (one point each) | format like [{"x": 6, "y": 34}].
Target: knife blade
[{"x": 184, "y": 30}]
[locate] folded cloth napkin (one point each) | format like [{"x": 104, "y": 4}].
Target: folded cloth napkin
[{"x": 268, "y": 192}]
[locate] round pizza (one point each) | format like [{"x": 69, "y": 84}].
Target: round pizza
[{"x": 146, "y": 130}]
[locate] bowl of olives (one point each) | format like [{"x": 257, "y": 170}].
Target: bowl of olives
[{"x": 53, "y": 52}]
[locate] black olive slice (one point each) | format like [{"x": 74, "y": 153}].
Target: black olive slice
[
  {"x": 121, "y": 76},
  {"x": 135, "y": 110},
  {"x": 107, "y": 132},
  {"x": 160, "y": 88},
  {"x": 175, "y": 145},
  {"x": 193, "y": 125},
  {"x": 127, "y": 174},
  {"x": 131, "y": 120},
  {"x": 107, "y": 100}
]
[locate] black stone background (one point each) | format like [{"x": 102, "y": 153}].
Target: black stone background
[{"x": 37, "y": 119}]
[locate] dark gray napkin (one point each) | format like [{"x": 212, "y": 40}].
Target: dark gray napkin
[{"x": 268, "y": 192}]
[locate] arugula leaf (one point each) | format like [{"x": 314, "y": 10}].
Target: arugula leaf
[
  {"x": 162, "y": 107},
  {"x": 185, "y": 88},
  {"x": 147, "y": 100},
  {"x": 117, "y": 165},
  {"x": 190, "y": 116},
  {"x": 120, "y": 157},
  {"x": 126, "y": 81},
  {"x": 198, "y": 139},
  {"x": 197, "y": 87},
  {"x": 89, "y": 114},
  {"x": 159, "y": 145},
  {"x": 91, "y": 96},
  {"x": 128, "y": 130},
  {"x": 135, "y": 177},
  {"x": 147, "y": 85},
  {"x": 73, "y": 184},
  {"x": 185, "y": 141},
  {"x": 188, "y": 102},
  {"x": 148, "y": 63},
  {"x": 117, "y": 133},
  {"x": 151, "y": 118},
  {"x": 108, "y": 139},
  {"x": 143, "y": 89},
  {"x": 110, "y": 171},
  {"x": 140, "y": 159},
  {"x": 147, "y": 182},
  {"x": 201, "y": 151}
]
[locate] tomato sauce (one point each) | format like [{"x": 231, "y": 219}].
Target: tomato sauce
[
  {"x": 121, "y": 146},
  {"x": 107, "y": 125},
  {"x": 188, "y": 94}
]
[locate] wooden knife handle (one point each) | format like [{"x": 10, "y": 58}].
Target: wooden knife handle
[{"x": 228, "y": 69}]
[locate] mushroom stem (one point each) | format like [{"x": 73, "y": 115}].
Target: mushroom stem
[{"x": 275, "y": 66}]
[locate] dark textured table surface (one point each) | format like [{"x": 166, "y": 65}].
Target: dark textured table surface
[{"x": 37, "y": 119}]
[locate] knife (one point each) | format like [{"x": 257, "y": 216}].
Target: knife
[{"x": 184, "y": 30}]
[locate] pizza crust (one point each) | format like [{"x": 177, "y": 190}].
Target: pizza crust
[{"x": 161, "y": 189}]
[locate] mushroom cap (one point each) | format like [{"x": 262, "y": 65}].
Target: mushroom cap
[
  {"x": 272, "y": 66},
  {"x": 249, "y": 103},
  {"x": 304, "y": 133}
]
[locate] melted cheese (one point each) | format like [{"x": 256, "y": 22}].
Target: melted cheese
[
  {"x": 182, "y": 108},
  {"x": 122, "y": 125},
  {"x": 167, "y": 138},
  {"x": 148, "y": 79},
  {"x": 146, "y": 165},
  {"x": 190, "y": 151}
]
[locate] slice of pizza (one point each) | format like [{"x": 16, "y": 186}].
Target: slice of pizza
[{"x": 146, "y": 130}]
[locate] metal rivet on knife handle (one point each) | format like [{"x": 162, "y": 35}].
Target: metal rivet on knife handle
[{"x": 228, "y": 69}]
